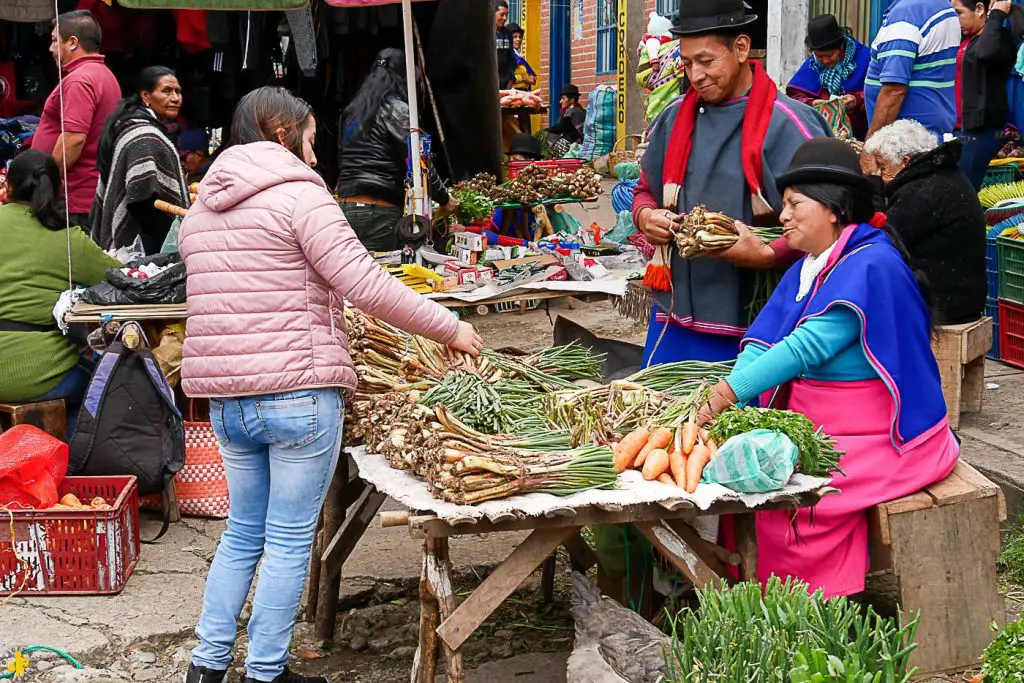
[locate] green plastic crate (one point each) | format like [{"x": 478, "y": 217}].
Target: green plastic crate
[{"x": 1011, "y": 269}]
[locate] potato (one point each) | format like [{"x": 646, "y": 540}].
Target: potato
[{"x": 71, "y": 500}]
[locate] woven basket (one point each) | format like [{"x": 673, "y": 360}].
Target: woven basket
[
  {"x": 626, "y": 154},
  {"x": 201, "y": 486}
]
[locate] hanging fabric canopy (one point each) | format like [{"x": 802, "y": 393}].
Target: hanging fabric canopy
[
  {"x": 240, "y": 5},
  {"x": 366, "y": 3},
  {"x": 26, "y": 10}
]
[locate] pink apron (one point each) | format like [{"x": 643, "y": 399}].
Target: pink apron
[{"x": 828, "y": 548}]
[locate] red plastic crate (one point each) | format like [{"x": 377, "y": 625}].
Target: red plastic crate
[
  {"x": 74, "y": 552},
  {"x": 552, "y": 166},
  {"x": 1011, "y": 333}
]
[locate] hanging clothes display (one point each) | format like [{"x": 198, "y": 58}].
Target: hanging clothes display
[{"x": 26, "y": 10}]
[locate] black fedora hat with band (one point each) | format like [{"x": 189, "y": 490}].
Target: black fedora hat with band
[
  {"x": 710, "y": 16},
  {"x": 824, "y": 32},
  {"x": 525, "y": 145},
  {"x": 825, "y": 160},
  {"x": 570, "y": 90}
]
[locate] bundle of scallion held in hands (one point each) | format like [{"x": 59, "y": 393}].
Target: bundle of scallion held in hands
[
  {"x": 818, "y": 454},
  {"x": 704, "y": 232}
]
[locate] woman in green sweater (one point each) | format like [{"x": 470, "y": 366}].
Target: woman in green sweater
[{"x": 37, "y": 362}]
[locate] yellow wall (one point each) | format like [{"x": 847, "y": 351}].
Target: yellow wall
[{"x": 532, "y": 27}]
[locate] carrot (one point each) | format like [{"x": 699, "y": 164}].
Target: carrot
[
  {"x": 712, "y": 446},
  {"x": 660, "y": 438},
  {"x": 695, "y": 466},
  {"x": 627, "y": 449},
  {"x": 656, "y": 464},
  {"x": 666, "y": 478},
  {"x": 677, "y": 464},
  {"x": 690, "y": 433}
]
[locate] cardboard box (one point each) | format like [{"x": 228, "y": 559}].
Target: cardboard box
[
  {"x": 463, "y": 255},
  {"x": 471, "y": 241},
  {"x": 464, "y": 273}
]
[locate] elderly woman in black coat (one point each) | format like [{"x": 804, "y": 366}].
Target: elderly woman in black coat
[{"x": 934, "y": 208}]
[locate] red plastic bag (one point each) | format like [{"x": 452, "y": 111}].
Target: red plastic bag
[{"x": 32, "y": 466}]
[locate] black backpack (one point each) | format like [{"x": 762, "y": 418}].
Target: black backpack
[{"x": 128, "y": 422}]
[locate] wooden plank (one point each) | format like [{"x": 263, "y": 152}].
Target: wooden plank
[
  {"x": 334, "y": 516},
  {"x": 421, "y": 526},
  {"x": 715, "y": 555},
  {"x": 681, "y": 555},
  {"x": 499, "y": 585},
  {"x": 972, "y": 388},
  {"x": 958, "y": 487},
  {"x": 424, "y": 662},
  {"x": 977, "y": 341},
  {"x": 313, "y": 582},
  {"x": 746, "y": 542},
  {"x": 972, "y": 476},
  {"x": 357, "y": 521},
  {"x": 945, "y": 560},
  {"x": 438, "y": 569}
]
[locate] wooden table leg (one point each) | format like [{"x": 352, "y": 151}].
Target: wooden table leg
[
  {"x": 334, "y": 515},
  {"x": 746, "y": 541},
  {"x": 313, "y": 584},
  {"x": 581, "y": 557},
  {"x": 547, "y": 579},
  {"x": 424, "y": 663},
  {"x": 508, "y": 576},
  {"x": 439, "y": 581}
]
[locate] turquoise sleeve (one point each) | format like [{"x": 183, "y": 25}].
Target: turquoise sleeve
[{"x": 811, "y": 345}]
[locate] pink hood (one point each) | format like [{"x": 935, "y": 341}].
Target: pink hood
[{"x": 269, "y": 257}]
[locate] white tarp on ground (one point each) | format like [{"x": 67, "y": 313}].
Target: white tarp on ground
[
  {"x": 610, "y": 286},
  {"x": 414, "y": 493}
]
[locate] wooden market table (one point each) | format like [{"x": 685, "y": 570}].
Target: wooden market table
[{"x": 445, "y": 625}]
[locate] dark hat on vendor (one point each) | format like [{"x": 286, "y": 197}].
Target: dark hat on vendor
[
  {"x": 711, "y": 16},
  {"x": 825, "y": 160},
  {"x": 193, "y": 140},
  {"x": 824, "y": 32},
  {"x": 571, "y": 90},
  {"x": 526, "y": 145}
]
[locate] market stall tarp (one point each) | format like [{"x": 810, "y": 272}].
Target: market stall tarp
[
  {"x": 236, "y": 5},
  {"x": 26, "y": 10}
]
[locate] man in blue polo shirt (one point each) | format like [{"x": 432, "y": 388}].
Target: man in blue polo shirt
[{"x": 913, "y": 66}]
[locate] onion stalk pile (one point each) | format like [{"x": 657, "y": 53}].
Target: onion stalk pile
[
  {"x": 704, "y": 232},
  {"x": 680, "y": 378}
]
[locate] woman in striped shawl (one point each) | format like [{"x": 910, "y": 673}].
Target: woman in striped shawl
[{"x": 139, "y": 164}]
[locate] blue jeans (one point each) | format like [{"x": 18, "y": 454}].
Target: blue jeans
[
  {"x": 71, "y": 389},
  {"x": 980, "y": 148},
  {"x": 279, "y": 454}
]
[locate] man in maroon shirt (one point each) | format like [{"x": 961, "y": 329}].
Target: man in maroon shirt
[{"x": 90, "y": 94}]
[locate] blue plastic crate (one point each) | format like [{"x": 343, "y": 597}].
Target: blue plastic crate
[{"x": 992, "y": 311}]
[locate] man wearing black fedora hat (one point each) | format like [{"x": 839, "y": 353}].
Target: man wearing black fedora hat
[
  {"x": 721, "y": 145},
  {"x": 836, "y": 69},
  {"x": 570, "y": 125}
]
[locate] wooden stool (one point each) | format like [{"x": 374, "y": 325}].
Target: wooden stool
[
  {"x": 941, "y": 546},
  {"x": 960, "y": 351},
  {"x": 49, "y": 416}
]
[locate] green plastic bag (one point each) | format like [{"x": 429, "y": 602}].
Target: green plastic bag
[
  {"x": 170, "y": 245},
  {"x": 756, "y": 462}
]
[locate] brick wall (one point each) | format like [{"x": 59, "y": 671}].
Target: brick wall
[{"x": 583, "y": 54}]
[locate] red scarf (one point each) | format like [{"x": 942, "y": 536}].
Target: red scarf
[{"x": 760, "y": 106}]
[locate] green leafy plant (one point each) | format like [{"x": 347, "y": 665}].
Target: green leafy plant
[
  {"x": 1011, "y": 560},
  {"x": 786, "y": 635},
  {"x": 818, "y": 454},
  {"x": 1004, "y": 658}
]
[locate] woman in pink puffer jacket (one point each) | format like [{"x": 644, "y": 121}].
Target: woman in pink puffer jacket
[{"x": 270, "y": 258}]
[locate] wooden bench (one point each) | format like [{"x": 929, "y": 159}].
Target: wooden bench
[
  {"x": 50, "y": 416},
  {"x": 960, "y": 351},
  {"x": 940, "y": 547}
]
